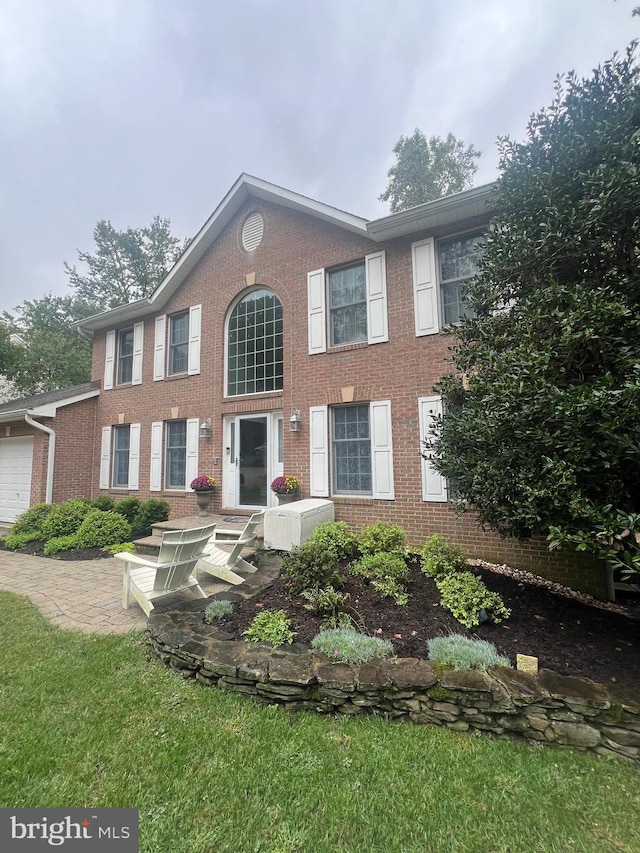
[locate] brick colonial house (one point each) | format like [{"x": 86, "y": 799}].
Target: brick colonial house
[{"x": 290, "y": 337}]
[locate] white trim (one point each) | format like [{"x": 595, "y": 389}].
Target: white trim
[
  {"x": 155, "y": 469},
  {"x": 425, "y": 288},
  {"x": 193, "y": 438},
  {"x": 195, "y": 322},
  {"x": 134, "y": 456},
  {"x": 380, "y": 429},
  {"x": 159, "y": 348},
  {"x": 138, "y": 342},
  {"x": 434, "y": 486},
  {"x": 376, "y": 283},
  {"x": 319, "y": 451},
  {"x": 109, "y": 360}
]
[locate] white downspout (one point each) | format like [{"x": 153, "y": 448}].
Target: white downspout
[{"x": 51, "y": 455}]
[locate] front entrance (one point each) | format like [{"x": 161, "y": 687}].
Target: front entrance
[{"x": 252, "y": 458}]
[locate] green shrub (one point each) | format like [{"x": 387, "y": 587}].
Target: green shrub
[
  {"x": 441, "y": 558},
  {"x": 66, "y": 518},
  {"x": 459, "y": 652},
  {"x": 382, "y": 537},
  {"x": 217, "y": 609},
  {"x": 128, "y": 507},
  {"x": 330, "y": 604},
  {"x": 121, "y": 548},
  {"x": 311, "y": 565},
  {"x": 60, "y": 543},
  {"x": 105, "y": 503},
  {"x": 149, "y": 513},
  {"x": 388, "y": 573},
  {"x": 32, "y": 519},
  {"x": 102, "y": 528},
  {"x": 466, "y": 597},
  {"x": 15, "y": 541},
  {"x": 349, "y": 646},
  {"x": 335, "y": 536},
  {"x": 270, "y": 626}
]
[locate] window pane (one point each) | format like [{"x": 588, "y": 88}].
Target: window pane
[
  {"x": 351, "y": 449},
  {"x": 348, "y": 305},
  {"x": 179, "y": 343},
  {"x": 125, "y": 356},
  {"x": 176, "y": 462},
  {"x": 459, "y": 261},
  {"x": 254, "y": 356},
  {"x": 121, "y": 435}
]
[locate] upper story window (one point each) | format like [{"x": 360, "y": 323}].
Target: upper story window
[
  {"x": 459, "y": 262},
  {"x": 254, "y": 344},
  {"x": 177, "y": 343},
  {"x": 439, "y": 291},
  {"x": 125, "y": 356},
  {"x": 348, "y": 304},
  {"x": 178, "y": 360}
]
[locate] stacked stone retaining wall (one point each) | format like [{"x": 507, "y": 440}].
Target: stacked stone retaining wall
[{"x": 565, "y": 712}]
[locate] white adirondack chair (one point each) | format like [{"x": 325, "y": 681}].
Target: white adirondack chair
[
  {"x": 225, "y": 564},
  {"x": 174, "y": 570}
]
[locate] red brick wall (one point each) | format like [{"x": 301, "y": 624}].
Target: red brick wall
[{"x": 400, "y": 370}]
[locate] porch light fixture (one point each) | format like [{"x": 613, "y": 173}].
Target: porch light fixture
[
  {"x": 205, "y": 428},
  {"x": 295, "y": 421}
]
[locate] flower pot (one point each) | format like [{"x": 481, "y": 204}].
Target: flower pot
[
  {"x": 203, "y": 499},
  {"x": 288, "y": 498}
]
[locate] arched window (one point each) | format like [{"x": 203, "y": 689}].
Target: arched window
[{"x": 254, "y": 344}]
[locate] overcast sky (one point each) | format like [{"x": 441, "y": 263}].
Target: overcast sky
[{"x": 123, "y": 109}]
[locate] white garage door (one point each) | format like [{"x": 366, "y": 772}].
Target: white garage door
[{"x": 16, "y": 455}]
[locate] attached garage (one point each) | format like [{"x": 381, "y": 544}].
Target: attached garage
[{"x": 16, "y": 462}]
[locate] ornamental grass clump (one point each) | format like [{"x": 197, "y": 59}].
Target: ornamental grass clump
[
  {"x": 217, "y": 610},
  {"x": 470, "y": 601},
  {"x": 349, "y": 646},
  {"x": 271, "y": 626},
  {"x": 459, "y": 652}
]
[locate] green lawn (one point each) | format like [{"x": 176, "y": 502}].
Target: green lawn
[{"x": 90, "y": 721}]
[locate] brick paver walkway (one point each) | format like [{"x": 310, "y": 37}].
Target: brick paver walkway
[{"x": 85, "y": 594}]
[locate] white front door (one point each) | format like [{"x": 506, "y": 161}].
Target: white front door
[
  {"x": 252, "y": 458},
  {"x": 16, "y": 457}
]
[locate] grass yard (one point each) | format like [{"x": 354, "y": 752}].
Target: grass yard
[{"x": 90, "y": 721}]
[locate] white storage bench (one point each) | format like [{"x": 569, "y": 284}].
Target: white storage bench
[{"x": 293, "y": 523}]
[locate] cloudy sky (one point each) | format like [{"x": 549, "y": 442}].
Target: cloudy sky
[{"x": 123, "y": 109}]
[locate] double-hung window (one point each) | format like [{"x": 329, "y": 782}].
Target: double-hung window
[
  {"x": 351, "y": 450},
  {"x": 178, "y": 343},
  {"x": 121, "y": 448},
  {"x": 120, "y": 456},
  {"x": 459, "y": 262},
  {"x": 125, "y": 356},
  {"x": 348, "y": 304},
  {"x": 176, "y": 455}
]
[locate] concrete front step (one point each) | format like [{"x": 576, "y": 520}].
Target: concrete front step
[{"x": 150, "y": 545}]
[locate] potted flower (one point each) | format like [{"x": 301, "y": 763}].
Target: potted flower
[
  {"x": 287, "y": 488},
  {"x": 203, "y": 486}
]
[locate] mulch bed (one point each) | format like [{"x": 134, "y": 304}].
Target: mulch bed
[
  {"x": 36, "y": 549},
  {"x": 569, "y": 636}
]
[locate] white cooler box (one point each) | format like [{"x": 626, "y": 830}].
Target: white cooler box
[{"x": 292, "y": 524}]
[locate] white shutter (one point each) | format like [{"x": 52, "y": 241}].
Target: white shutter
[
  {"x": 109, "y": 358},
  {"x": 195, "y": 322},
  {"x": 319, "y": 447},
  {"x": 105, "y": 458},
  {"x": 376, "y": 278},
  {"x": 134, "y": 455},
  {"x": 434, "y": 486},
  {"x": 160, "y": 342},
  {"x": 193, "y": 435},
  {"x": 381, "y": 450},
  {"x": 138, "y": 338},
  {"x": 425, "y": 289},
  {"x": 155, "y": 475},
  {"x": 317, "y": 313}
]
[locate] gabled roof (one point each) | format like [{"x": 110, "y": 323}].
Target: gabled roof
[
  {"x": 462, "y": 205},
  {"x": 46, "y": 404}
]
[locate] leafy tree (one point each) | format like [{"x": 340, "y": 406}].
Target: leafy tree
[
  {"x": 127, "y": 265},
  {"x": 51, "y": 353},
  {"x": 542, "y": 426},
  {"x": 426, "y": 169},
  {"x": 7, "y": 349}
]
